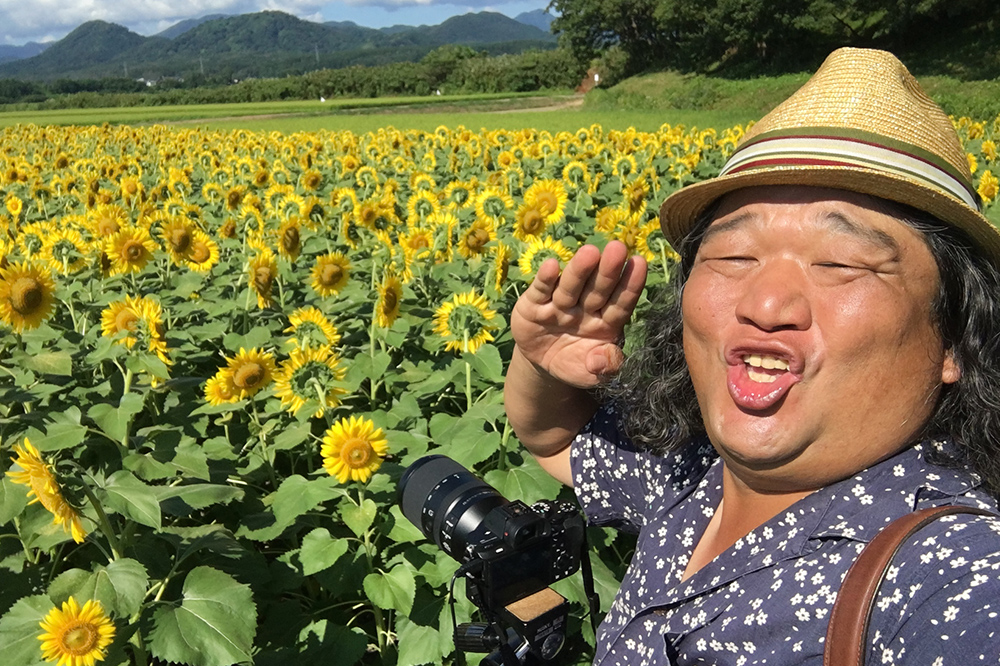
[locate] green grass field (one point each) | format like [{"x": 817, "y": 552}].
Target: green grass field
[{"x": 492, "y": 111}]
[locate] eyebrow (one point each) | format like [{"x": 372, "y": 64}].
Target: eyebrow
[{"x": 839, "y": 222}]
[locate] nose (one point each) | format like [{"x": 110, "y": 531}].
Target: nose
[{"x": 775, "y": 297}]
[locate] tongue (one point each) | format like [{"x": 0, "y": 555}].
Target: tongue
[{"x": 752, "y": 395}]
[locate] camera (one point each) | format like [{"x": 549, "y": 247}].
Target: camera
[{"x": 509, "y": 554}]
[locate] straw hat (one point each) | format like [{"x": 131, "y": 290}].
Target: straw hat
[{"x": 861, "y": 123}]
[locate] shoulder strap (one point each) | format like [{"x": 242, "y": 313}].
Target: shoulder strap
[{"x": 847, "y": 632}]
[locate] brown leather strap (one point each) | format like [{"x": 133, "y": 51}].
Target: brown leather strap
[{"x": 846, "y": 635}]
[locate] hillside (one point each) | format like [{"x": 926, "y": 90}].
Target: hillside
[{"x": 263, "y": 44}]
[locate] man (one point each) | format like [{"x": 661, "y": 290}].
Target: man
[{"x": 828, "y": 364}]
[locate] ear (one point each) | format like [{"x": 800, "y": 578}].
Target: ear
[{"x": 950, "y": 371}]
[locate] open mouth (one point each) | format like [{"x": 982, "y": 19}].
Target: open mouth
[{"x": 758, "y": 381}]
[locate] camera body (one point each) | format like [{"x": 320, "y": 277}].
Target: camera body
[{"x": 510, "y": 553}]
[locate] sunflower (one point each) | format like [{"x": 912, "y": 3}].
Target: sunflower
[
  {"x": 465, "y": 322},
  {"x": 988, "y": 186},
  {"x": 262, "y": 271},
  {"x": 549, "y": 197},
  {"x": 493, "y": 202},
  {"x": 330, "y": 273},
  {"x": 31, "y": 240},
  {"x": 65, "y": 251},
  {"x": 251, "y": 371},
  {"x": 203, "y": 253},
  {"x": 575, "y": 174},
  {"x": 636, "y": 193},
  {"x": 130, "y": 189},
  {"x": 129, "y": 250},
  {"x": 501, "y": 265},
  {"x": 41, "y": 481},
  {"x": 138, "y": 318},
  {"x": 106, "y": 220},
  {"x": 608, "y": 218},
  {"x": 26, "y": 296},
  {"x": 177, "y": 234},
  {"x": 530, "y": 222},
  {"x": 14, "y": 205},
  {"x": 473, "y": 241},
  {"x": 311, "y": 180},
  {"x": 417, "y": 243},
  {"x": 290, "y": 238},
  {"x": 461, "y": 193},
  {"x": 234, "y": 197},
  {"x": 220, "y": 389},
  {"x": 76, "y": 636},
  {"x": 390, "y": 295},
  {"x": 539, "y": 250},
  {"x": 353, "y": 449},
  {"x": 309, "y": 374},
  {"x": 421, "y": 206},
  {"x": 310, "y": 328}
]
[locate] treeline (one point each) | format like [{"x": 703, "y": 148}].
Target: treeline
[
  {"x": 755, "y": 37},
  {"x": 450, "y": 69}
]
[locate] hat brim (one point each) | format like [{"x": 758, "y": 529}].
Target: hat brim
[{"x": 682, "y": 208}]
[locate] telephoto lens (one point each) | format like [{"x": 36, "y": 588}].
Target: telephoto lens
[{"x": 446, "y": 502}]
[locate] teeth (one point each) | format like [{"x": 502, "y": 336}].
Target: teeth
[
  {"x": 766, "y": 362},
  {"x": 761, "y": 377}
]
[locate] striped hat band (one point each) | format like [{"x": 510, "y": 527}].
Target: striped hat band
[{"x": 828, "y": 147}]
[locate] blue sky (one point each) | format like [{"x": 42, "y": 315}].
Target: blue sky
[{"x": 46, "y": 20}]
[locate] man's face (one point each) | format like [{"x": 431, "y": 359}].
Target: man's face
[{"x": 809, "y": 335}]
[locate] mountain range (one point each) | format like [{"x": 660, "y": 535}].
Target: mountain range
[{"x": 268, "y": 43}]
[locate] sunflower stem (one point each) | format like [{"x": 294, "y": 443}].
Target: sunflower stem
[
  {"x": 468, "y": 371},
  {"x": 380, "y": 626},
  {"x": 663, "y": 262},
  {"x": 104, "y": 523},
  {"x": 502, "y": 465},
  {"x": 139, "y": 650}
]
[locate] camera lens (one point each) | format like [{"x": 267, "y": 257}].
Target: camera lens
[{"x": 446, "y": 502}]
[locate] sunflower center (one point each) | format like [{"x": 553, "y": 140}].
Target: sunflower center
[
  {"x": 131, "y": 187},
  {"x": 180, "y": 239},
  {"x": 234, "y": 198},
  {"x": 26, "y": 295},
  {"x": 547, "y": 202},
  {"x": 200, "y": 253},
  {"x": 248, "y": 375},
  {"x": 107, "y": 226},
  {"x": 262, "y": 279},
  {"x": 331, "y": 275},
  {"x": 133, "y": 250},
  {"x": 477, "y": 239},
  {"x": 290, "y": 239},
  {"x": 80, "y": 639},
  {"x": 228, "y": 230},
  {"x": 356, "y": 453},
  {"x": 533, "y": 221},
  {"x": 127, "y": 320},
  {"x": 389, "y": 301}
]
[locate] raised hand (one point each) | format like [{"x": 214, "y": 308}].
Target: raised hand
[{"x": 570, "y": 325}]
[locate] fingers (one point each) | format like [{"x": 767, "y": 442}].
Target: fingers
[
  {"x": 622, "y": 301},
  {"x": 575, "y": 277},
  {"x": 604, "y": 360}
]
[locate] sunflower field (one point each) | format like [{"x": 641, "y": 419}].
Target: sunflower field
[{"x": 220, "y": 350}]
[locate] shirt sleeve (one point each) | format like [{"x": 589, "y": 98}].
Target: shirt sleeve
[
  {"x": 941, "y": 605},
  {"x": 608, "y": 473}
]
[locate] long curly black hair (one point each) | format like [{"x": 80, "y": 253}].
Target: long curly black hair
[{"x": 654, "y": 395}]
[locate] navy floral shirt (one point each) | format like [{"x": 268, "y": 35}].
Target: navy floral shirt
[{"x": 767, "y": 600}]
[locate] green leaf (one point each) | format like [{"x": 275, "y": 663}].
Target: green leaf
[
  {"x": 331, "y": 644},
  {"x": 13, "y": 499},
  {"x": 132, "y": 498},
  {"x": 120, "y": 586},
  {"x": 419, "y": 644},
  {"x": 320, "y": 551},
  {"x": 258, "y": 336},
  {"x": 114, "y": 421},
  {"x": 19, "y": 631},
  {"x": 296, "y": 496},
  {"x": 292, "y": 437},
  {"x": 392, "y": 590},
  {"x": 59, "y": 363},
  {"x": 359, "y": 518},
  {"x": 403, "y": 531},
  {"x": 182, "y": 500},
  {"x": 527, "y": 482},
  {"x": 465, "y": 438},
  {"x": 62, "y": 431},
  {"x": 486, "y": 363},
  {"x": 214, "y": 625}
]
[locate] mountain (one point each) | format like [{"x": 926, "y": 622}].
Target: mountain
[
  {"x": 262, "y": 44},
  {"x": 8, "y": 53},
  {"x": 178, "y": 29},
  {"x": 538, "y": 18}
]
